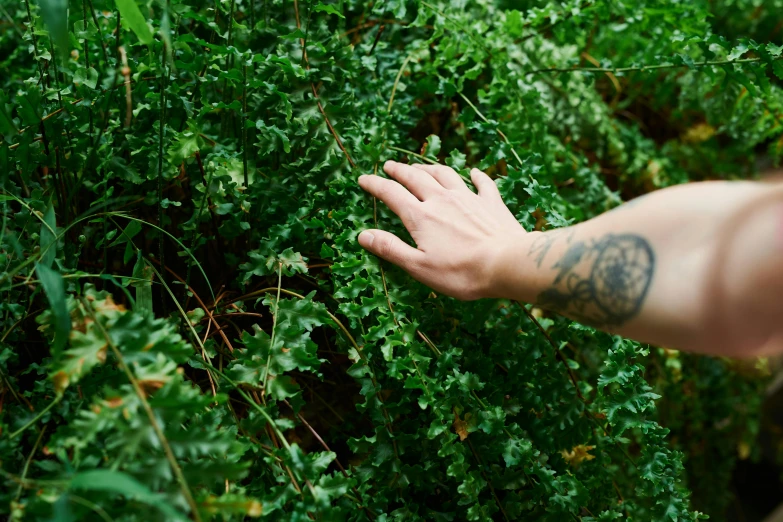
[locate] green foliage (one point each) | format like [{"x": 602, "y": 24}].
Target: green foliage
[{"x": 191, "y": 331}]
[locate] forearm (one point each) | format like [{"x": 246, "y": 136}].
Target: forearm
[{"x": 693, "y": 267}]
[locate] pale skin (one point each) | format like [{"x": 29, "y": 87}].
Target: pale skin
[{"x": 696, "y": 267}]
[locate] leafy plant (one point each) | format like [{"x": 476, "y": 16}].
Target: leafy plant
[{"x": 190, "y": 330}]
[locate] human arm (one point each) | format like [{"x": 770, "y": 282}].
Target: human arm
[{"x": 697, "y": 267}]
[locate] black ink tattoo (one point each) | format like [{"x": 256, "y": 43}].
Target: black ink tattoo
[
  {"x": 602, "y": 284},
  {"x": 540, "y": 247}
]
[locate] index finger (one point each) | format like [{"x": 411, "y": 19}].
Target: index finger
[{"x": 396, "y": 197}]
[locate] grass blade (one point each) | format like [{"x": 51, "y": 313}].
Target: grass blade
[
  {"x": 48, "y": 237},
  {"x": 55, "y": 17},
  {"x": 132, "y": 17},
  {"x": 54, "y": 288}
]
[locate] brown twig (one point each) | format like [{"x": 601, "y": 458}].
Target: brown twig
[
  {"x": 203, "y": 352},
  {"x": 126, "y": 72},
  {"x": 232, "y": 314},
  {"x": 206, "y": 309},
  {"x": 373, "y": 23},
  {"x": 381, "y": 29}
]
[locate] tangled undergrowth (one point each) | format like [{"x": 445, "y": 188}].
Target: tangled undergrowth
[{"x": 190, "y": 330}]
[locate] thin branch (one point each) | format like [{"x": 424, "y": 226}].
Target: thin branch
[
  {"x": 27, "y": 463},
  {"x": 126, "y": 73},
  {"x": 397, "y": 81},
  {"x": 274, "y": 329},
  {"x": 372, "y": 23},
  {"x": 100, "y": 32},
  {"x": 185, "y": 317},
  {"x": 642, "y": 68},
  {"x": 210, "y": 316},
  {"x": 487, "y": 480},
  {"x": 35, "y": 419}
]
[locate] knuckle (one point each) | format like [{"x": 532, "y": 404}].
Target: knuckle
[
  {"x": 386, "y": 247},
  {"x": 449, "y": 197},
  {"x": 425, "y": 213},
  {"x": 397, "y": 172}
]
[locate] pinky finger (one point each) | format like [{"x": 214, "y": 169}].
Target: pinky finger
[{"x": 486, "y": 187}]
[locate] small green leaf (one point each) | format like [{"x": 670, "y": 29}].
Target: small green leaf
[
  {"x": 325, "y": 8},
  {"x": 777, "y": 68},
  {"x": 738, "y": 51},
  {"x": 282, "y": 387},
  {"x": 327, "y": 252},
  {"x": 86, "y": 77},
  {"x": 432, "y": 149},
  {"x": 456, "y": 159}
]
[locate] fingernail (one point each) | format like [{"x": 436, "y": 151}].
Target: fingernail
[{"x": 366, "y": 239}]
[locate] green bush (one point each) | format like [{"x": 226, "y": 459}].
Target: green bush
[{"x": 190, "y": 330}]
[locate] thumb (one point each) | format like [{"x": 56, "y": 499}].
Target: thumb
[{"x": 391, "y": 248}]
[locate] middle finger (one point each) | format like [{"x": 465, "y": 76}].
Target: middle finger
[{"x": 419, "y": 183}]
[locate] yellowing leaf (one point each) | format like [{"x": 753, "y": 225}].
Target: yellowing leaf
[
  {"x": 61, "y": 381},
  {"x": 699, "y": 133},
  {"x": 743, "y": 450},
  {"x": 254, "y": 508},
  {"x": 578, "y": 454},
  {"x": 461, "y": 425}
]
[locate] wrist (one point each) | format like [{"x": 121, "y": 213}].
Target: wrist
[{"x": 510, "y": 267}]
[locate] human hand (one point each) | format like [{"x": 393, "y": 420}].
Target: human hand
[{"x": 459, "y": 235}]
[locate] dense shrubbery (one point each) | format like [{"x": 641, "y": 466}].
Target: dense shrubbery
[{"x": 190, "y": 330}]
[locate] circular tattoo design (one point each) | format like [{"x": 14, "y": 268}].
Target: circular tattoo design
[{"x": 621, "y": 276}]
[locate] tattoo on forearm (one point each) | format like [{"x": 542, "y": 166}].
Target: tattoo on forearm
[
  {"x": 540, "y": 247},
  {"x": 603, "y": 283}
]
